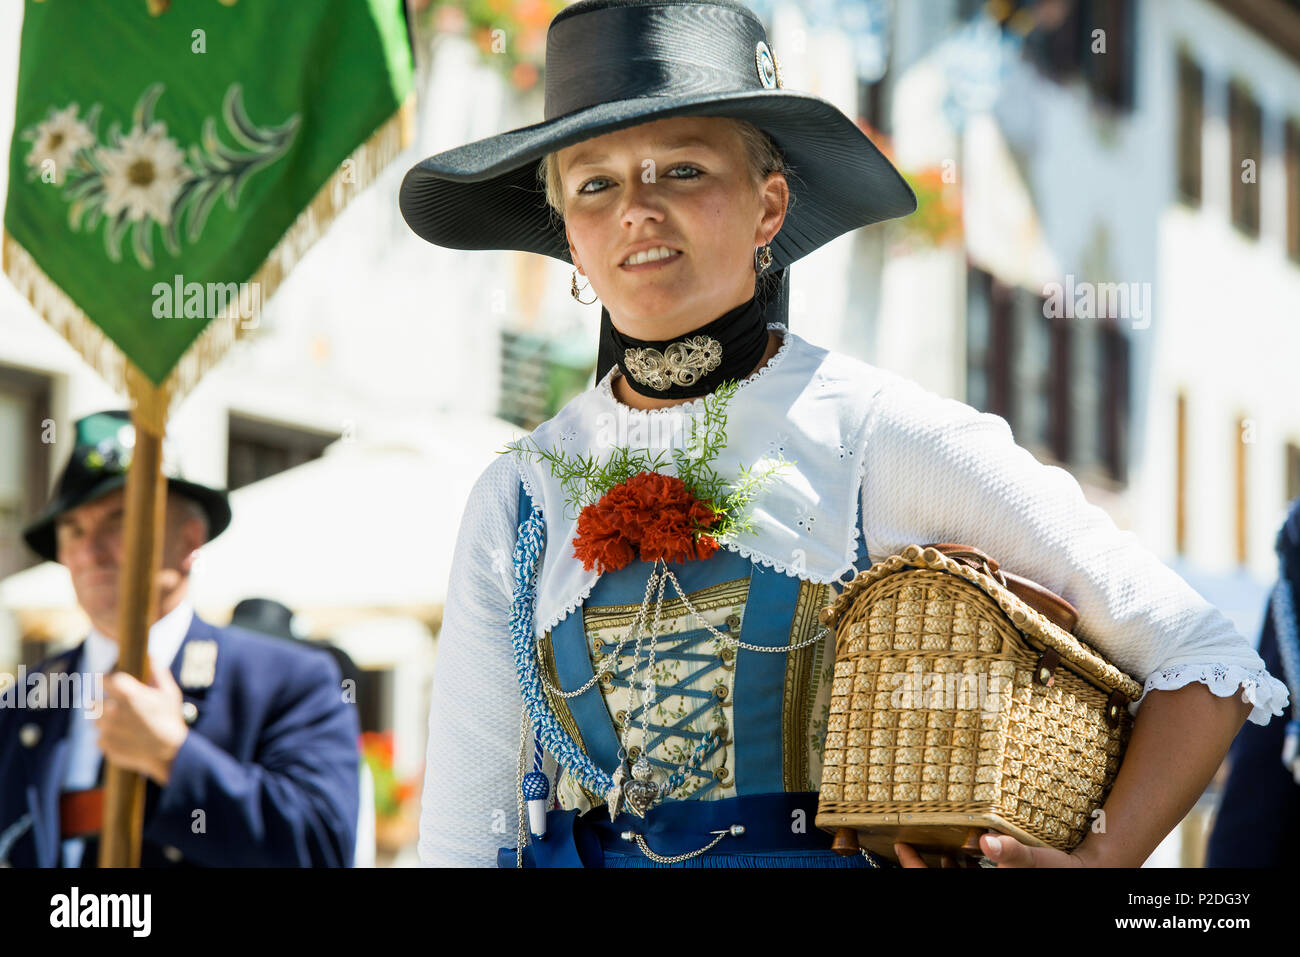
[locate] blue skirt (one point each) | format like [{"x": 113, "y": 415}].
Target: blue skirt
[{"x": 778, "y": 832}]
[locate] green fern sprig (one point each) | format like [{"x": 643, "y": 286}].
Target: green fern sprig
[{"x": 584, "y": 479}]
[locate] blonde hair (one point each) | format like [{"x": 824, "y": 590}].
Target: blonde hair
[{"x": 762, "y": 156}]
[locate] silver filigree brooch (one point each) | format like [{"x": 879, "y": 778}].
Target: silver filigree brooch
[{"x": 682, "y": 363}]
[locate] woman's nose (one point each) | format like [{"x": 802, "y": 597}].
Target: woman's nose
[{"x": 641, "y": 202}]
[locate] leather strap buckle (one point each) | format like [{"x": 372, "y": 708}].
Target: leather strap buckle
[{"x": 1044, "y": 670}]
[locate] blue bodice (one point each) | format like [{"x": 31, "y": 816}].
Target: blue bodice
[
  {"x": 736, "y": 732},
  {"x": 744, "y": 722}
]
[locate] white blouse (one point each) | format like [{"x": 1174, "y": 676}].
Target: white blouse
[{"x": 856, "y": 440}]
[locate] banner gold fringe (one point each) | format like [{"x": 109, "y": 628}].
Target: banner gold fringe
[{"x": 152, "y": 403}]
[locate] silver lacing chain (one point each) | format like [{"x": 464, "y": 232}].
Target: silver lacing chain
[
  {"x": 734, "y": 831},
  {"x": 730, "y": 640}
]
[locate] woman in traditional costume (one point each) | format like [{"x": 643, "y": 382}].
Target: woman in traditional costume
[{"x": 631, "y": 669}]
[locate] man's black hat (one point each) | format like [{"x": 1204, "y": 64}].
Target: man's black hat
[{"x": 101, "y": 455}]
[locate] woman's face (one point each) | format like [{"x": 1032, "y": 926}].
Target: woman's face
[{"x": 682, "y": 183}]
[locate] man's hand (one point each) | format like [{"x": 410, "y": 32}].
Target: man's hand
[
  {"x": 1004, "y": 850},
  {"x": 142, "y": 727}
]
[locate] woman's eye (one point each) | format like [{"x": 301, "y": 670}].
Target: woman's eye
[{"x": 601, "y": 179}]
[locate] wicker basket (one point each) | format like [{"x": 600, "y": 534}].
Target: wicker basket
[{"x": 957, "y": 707}]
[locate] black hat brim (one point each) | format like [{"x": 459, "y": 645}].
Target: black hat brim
[
  {"x": 40, "y": 534},
  {"x": 485, "y": 194}
]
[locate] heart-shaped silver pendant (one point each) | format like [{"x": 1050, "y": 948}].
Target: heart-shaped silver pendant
[{"x": 641, "y": 792}]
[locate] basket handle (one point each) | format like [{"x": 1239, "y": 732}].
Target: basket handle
[{"x": 1057, "y": 610}]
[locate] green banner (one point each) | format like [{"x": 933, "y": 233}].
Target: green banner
[{"x": 172, "y": 161}]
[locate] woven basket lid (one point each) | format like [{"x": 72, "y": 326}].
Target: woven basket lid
[{"x": 1038, "y": 630}]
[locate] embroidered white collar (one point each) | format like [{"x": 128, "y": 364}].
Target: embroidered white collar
[{"x": 806, "y": 406}]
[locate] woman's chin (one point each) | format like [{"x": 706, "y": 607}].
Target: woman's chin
[{"x": 649, "y": 305}]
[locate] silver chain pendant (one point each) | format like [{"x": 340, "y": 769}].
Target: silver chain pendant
[
  {"x": 614, "y": 796},
  {"x": 641, "y": 792}
]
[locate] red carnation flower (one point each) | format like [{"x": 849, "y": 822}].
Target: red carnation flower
[{"x": 653, "y": 514}]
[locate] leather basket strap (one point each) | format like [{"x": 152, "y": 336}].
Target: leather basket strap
[{"x": 1044, "y": 601}]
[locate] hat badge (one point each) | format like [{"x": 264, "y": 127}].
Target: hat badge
[
  {"x": 769, "y": 72},
  {"x": 113, "y": 454}
]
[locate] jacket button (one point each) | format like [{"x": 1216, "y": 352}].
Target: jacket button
[
  {"x": 29, "y": 735},
  {"x": 190, "y": 712},
  {"x": 173, "y": 854}
]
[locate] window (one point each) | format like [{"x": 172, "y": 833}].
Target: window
[
  {"x": 1244, "y": 131},
  {"x": 1043, "y": 378},
  {"x": 1239, "y": 442},
  {"x": 1060, "y": 420},
  {"x": 1293, "y": 190},
  {"x": 1292, "y": 471},
  {"x": 1180, "y": 475},
  {"x": 1109, "y": 75},
  {"x": 260, "y": 449},
  {"x": 1017, "y": 363},
  {"x": 1062, "y": 45},
  {"x": 1114, "y": 411},
  {"x": 24, "y": 462},
  {"x": 1191, "y": 114},
  {"x": 872, "y": 105},
  {"x": 375, "y": 699},
  {"x": 990, "y": 341},
  {"x": 539, "y": 374},
  {"x": 1060, "y": 42},
  {"x": 977, "y": 337}
]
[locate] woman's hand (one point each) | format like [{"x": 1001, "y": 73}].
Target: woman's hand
[{"x": 1003, "y": 849}]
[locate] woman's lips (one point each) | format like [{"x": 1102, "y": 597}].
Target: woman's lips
[{"x": 654, "y": 263}]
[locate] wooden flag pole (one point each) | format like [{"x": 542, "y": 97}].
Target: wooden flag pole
[{"x": 146, "y": 501}]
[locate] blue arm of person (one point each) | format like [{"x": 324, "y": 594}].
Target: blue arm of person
[{"x": 294, "y": 806}]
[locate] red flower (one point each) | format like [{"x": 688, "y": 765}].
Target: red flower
[{"x": 653, "y": 514}]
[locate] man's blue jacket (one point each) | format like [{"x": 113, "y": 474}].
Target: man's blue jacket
[{"x": 267, "y": 776}]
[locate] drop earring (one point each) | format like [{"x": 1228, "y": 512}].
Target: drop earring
[
  {"x": 762, "y": 257},
  {"x": 574, "y": 291}
]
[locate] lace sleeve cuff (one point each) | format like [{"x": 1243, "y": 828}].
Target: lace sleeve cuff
[{"x": 1266, "y": 693}]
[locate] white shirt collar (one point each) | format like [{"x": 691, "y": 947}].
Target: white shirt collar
[
  {"x": 807, "y": 406},
  {"x": 165, "y": 638}
]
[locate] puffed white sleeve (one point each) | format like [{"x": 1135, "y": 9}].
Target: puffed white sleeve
[
  {"x": 468, "y": 809},
  {"x": 937, "y": 470}
]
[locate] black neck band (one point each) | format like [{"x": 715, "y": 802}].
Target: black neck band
[{"x": 696, "y": 363}]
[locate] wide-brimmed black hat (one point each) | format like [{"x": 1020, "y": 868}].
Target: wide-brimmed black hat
[
  {"x": 611, "y": 64},
  {"x": 100, "y": 457}
]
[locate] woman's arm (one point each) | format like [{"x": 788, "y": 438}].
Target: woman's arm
[
  {"x": 469, "y": 809},
  {"x": 1164, "y": 771},
  {"x": 937, "y": 470}
]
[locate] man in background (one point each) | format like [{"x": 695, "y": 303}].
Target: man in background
[{"x": 248, "y": 747}]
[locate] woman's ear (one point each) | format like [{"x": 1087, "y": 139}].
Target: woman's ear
[
  {"x": 573, "y": 252},
  {"x": 775, "y": 195}
]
